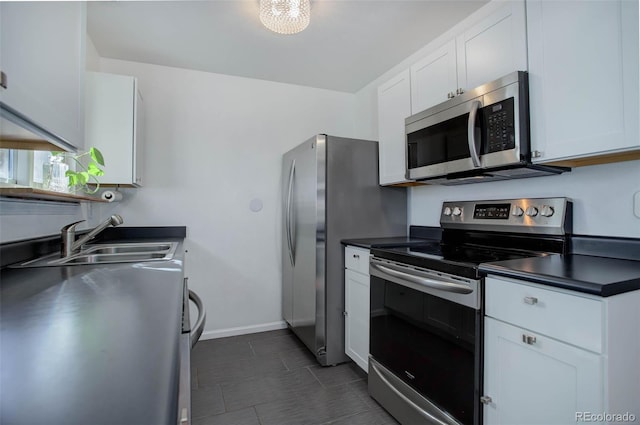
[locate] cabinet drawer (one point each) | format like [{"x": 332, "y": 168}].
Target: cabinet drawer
[
  {"x": 571, "y": 318},
  {"x": 356, "y": 259}
]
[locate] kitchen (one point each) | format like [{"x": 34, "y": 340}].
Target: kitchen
[{"x": 205, "y": 129}]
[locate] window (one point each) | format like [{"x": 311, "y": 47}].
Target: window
[{"x": 7, "y": 167}]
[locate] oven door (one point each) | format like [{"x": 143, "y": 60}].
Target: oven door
[{"x": 425, "y": 330}]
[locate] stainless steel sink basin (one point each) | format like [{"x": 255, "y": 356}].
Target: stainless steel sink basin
[
  {"x": 134, "y": 252},
  {"x": 113, "y": 258},
  {"x": 129, "y": 248}
]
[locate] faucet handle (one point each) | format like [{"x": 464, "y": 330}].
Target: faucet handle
[
  {"x": 71, "y": 227},
  {"x": 68, "y": 237}
]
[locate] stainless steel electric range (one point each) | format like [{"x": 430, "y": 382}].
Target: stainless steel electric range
[{"x": 426, "y": 308}]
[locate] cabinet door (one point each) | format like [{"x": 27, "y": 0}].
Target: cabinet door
[
  {"x": 138, "y": 140},
  {"x": 356, "y": 298},
  {"x": 541, "y": 382},
  {"x": 113, "y": 106},
  {"x": 43, "y": 57},
  {"x": 583, "y": 65},
  {"x": 394, "y": 105},
  {"x": 433, "y": 78},
  {"x": 493, "y": 47}
]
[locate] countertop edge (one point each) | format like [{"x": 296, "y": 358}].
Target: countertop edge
[{"x": 608, "y": 290}]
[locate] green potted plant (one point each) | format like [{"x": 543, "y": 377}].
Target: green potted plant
[{"x": 87, "y": 170}]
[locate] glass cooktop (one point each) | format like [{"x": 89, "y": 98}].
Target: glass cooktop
[
  {"x": 467, "y": 254},
  {"x": 455, "y": 259}
]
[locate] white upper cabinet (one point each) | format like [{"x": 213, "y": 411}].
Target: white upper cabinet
[
  {"x": 583, "y": 73},
  {"x": 114, "y": 125},
  {"x": 486, "y": 51},
  {"x": 394, "y": 105},
  {"x": 43, "y": 58},
  {"x": 433, "y": 79},
  {"x": 493, "y": 48},
  {"x": 489, "y": 48}
]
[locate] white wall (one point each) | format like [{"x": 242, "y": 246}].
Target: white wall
[
  {"x": 214, "y": 143},
  {"x": 92, "y": 56},
  {"x": 602, "y": 197},
  {"x": 21, "y": 219}
]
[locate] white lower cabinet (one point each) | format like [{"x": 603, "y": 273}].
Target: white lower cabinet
[
  {"x": 532, "y": 379},
  {"x": 553, "y": 356},
  {"x": 356, "y": 301}
]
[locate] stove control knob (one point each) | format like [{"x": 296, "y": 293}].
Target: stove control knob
[
  {"x": 531, "y": 211},
  {"x": 547, "y": 211},
  {"x": 457, "y": 211},
  {"x": 517, "y": 211},
  {"x": 447, "y": 211}
]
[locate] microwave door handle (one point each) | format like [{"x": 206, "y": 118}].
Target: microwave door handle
[{"x": 471, "y": 136}]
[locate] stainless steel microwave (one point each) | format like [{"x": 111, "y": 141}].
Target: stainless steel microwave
[{"x": 480, "y": 135}]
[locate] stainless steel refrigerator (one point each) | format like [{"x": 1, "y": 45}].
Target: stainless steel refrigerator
[{"x": 330, "y": 193}]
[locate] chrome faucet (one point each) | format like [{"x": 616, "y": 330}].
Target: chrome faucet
[{"x": 70, "y": 245}]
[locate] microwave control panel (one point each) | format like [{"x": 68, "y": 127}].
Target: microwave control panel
[{"x": 499, "y": 121}]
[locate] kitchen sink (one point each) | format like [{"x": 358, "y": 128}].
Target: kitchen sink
[
  {"x": 113, "y": 258},
  {"x": 129, "y": 248},
  {"x": 133, "y": 252}
]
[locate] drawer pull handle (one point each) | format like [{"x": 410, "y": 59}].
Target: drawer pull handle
[
  {"x": 530, "y": 300},
  {"x": 528, "y": 339},
  {"x": 356, "y": 256}
]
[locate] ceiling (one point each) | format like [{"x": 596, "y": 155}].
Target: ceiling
[{"x": 348, "y": 44}]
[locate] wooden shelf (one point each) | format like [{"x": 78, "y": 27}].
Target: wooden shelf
[{"x": 45, "y": 195}]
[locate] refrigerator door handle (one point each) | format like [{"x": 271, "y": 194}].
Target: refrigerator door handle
[{"x": 290, "y": 235}]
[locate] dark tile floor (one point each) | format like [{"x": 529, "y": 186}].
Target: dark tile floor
[{"x": 270, "y": 378}]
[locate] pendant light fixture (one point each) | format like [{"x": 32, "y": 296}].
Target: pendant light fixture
[{"x": 285, "y": 16}]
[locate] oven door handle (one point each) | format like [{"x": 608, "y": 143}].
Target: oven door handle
[
  {"x": 391, "y": 270},
  {"x": 196, "y": 332}
]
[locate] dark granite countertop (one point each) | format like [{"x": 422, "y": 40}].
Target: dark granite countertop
[
  {"x": 417, "y": 235},
  {"x": 582, "y": 273},
  {"x": 388, "y": 242},
  {"x": 93, "y": 344},
  {"x": 602, "y": 266}
]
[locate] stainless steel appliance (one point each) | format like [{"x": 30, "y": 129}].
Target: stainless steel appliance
[
  {"x": 426, "y": 305},
  {"x": 330, "y": 192},
  {"x": 480, "y": 135},
  {"x": 188, "y": 339}
]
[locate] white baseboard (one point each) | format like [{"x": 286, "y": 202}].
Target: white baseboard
[{"x": 242, "y": 330}]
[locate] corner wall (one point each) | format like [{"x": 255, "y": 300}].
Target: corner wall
[{"x": 214, "y": 143}]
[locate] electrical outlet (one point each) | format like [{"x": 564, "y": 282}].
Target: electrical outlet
[{"x": 636, "y": 204}]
